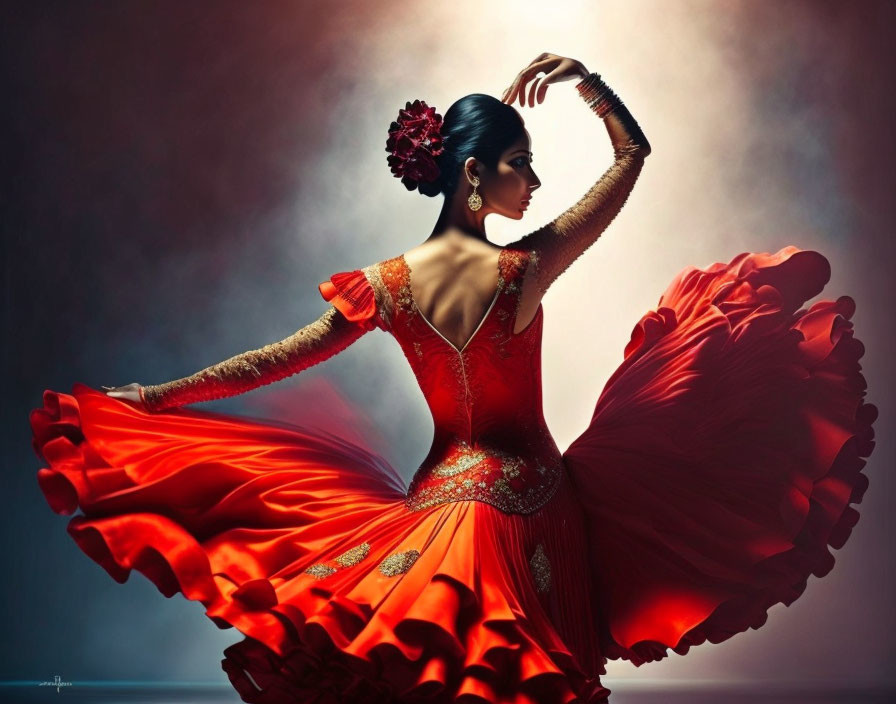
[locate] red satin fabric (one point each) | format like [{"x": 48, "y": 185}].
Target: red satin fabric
[
  {"x": 724, "y": 452},
  {"x": 716, "y": 471}
]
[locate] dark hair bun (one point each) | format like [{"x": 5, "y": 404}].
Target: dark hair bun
[
  {"x": 415, "y": 140},
  {"x": 428, "y": 154}
]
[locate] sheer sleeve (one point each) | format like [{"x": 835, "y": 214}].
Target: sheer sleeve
[
  {"x": 353, "y": 313},
  {"x": 555, "y": 246}
]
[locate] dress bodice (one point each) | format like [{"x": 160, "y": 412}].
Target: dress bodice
[{"x": 491, "y": 442}]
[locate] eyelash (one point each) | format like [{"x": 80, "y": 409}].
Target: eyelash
[{"x": 522, "y": 159}]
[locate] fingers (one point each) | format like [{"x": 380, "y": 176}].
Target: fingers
[
  {"x": 532, "y": 90},
  {"x": 517, "y": 89},
  {"x": 525, "y": 76},
  {"x": 544, "y": 62},
  {"x": 510, "y": 94},
  {"x": 545, "y": 81}
]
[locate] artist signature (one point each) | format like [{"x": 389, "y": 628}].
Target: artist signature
[{"x": 57, "y": 683}]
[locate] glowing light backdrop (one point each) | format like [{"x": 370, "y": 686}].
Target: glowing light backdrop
[{"x": 184, "y": 174}]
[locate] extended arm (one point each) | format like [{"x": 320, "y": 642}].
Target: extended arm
[
  {"x": 353, "y": 313},
  {"x": 555, "y": 246},
  {"x": 312, "y": 344}
]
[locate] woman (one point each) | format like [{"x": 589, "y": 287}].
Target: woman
[{"x": 717, "y": 468}]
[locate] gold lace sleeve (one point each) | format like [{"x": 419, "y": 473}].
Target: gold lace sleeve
[
  {"x": 354, "y": 311},
  {"x": 332, "y": 332},
  {"x": 555, "y": 246}
]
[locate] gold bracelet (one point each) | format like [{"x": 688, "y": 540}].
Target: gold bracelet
[{"x": 598, "y": 95}]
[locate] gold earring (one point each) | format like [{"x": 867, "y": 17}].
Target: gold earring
[{"x": 475, "y": 200}]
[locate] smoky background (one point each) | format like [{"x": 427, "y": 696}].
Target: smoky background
[{"x": 179, "y": 177}]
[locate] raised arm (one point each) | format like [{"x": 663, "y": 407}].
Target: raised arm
[
  {"x": 353, "y": 313},
  {"x": 555, "y": 246}
]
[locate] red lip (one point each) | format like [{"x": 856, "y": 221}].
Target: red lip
[{"x": 526, "y": 201}]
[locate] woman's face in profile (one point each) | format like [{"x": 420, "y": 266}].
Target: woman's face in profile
[{"x": 507, "y": 188}]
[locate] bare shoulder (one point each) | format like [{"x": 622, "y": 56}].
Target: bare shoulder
[{"x": 451, "y": 254}]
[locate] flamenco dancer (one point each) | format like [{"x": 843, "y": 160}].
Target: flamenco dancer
[{"x": 715, "y": 473}]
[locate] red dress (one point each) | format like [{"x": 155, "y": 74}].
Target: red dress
[{"x": 717, "y": 469}]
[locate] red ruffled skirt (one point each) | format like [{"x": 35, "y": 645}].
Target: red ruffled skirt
[
  {"x": 716, "y": 471},
  {"x": 246, "y": 517}
]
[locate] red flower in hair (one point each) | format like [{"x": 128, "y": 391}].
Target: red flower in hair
[{"x": 413, "y": 142}]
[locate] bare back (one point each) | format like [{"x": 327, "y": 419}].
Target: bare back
[{"x": 454, "y": 285}]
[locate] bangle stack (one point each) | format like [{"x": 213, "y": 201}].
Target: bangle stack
[{"x": 598, "y": 95}]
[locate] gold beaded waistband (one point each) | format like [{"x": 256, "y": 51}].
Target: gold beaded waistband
[{"x": 511, "y": 482}]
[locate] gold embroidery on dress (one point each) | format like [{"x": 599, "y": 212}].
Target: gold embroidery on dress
[
  {"x": 320, "y": 570},
  {"x": 350, "y": 557},
  {"x": 381, "y": 294},
  {"x": 394, "y": 279},
  {"x": 457, "y": 464},
  {"x": 405, "y": 301},
  {"x": 462, "y": 388},
  {"x": 514, "y": 263},
  {"x": 484, "y": 482},
  {"x": 354, "y": 555},
  {"x": 540, "y": 567},
  {"x": 501, "y": 338},
  {"x": 510, "y": 465},
  {"x": 398, "y": 563}
]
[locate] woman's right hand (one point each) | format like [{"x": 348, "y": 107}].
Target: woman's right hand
[
  {"x": 557, "y": 68},
  {"x": 130, "y": 392}
]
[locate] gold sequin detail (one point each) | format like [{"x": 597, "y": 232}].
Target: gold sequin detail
[
  {"x": 540, "y": 567},
  {"x": 350, "y": 557},
  {"x": 380, "y": 292},
  {"x": 515, "y": 263},
  {"x": 354, "y": 555},
  {"x": 314, "y": 343},
  {"x": 486, "y": 480},
  {"x": 397, "y": 290},
  {"x": 320, "y": 570},
  {"x": 510, "y": 465},
  {"x": 398, "y": 562},
  {"x": 405, "y": 301},
  {"x": 459, "y": 463}
]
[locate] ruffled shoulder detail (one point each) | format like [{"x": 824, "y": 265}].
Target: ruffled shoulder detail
[{"x": 351, "y": 293}]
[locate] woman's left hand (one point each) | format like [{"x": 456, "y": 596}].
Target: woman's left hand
[{"x": 130, "y": 392}]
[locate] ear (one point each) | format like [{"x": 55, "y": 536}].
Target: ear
[{"x": 471, "y": 167}]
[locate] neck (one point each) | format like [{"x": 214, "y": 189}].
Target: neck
[{"x": 456, "y": 217}]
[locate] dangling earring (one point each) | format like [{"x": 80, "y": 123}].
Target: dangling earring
[{"x": 475, "y": 200}]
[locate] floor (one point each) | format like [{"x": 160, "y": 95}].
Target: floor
[{"x": 623, "y": 693}]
